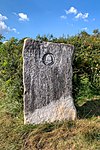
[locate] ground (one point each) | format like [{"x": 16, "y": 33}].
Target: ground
[{"x": 81, "y": 134}]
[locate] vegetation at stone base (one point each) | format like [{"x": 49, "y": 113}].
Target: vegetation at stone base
[
  {"x": 72, "y": 135},
  {"x": 81, "y": 134}
]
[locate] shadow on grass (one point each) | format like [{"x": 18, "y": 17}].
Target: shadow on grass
[{"x": 89, "y": 109}]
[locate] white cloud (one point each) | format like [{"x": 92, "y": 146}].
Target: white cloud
[
  {"x": 3, "y": 17},
  {"x": 85, "y": 28},
  {"x": 14, "y": 13},
  {"x": 14, "y": 30},
  {"x": 63, "y": 17},
  {"x": 23, "y": 17},
  {"x": 82, "y": 16},
  {"x": 72, "y": 10},
  {"x": 4, "y": 27},
  {"x": 78, "y": 15}
]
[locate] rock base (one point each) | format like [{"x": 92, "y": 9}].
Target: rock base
[{"x": 63, "y": 109}]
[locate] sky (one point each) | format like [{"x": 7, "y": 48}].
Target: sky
[{"x": 28, "y": 18}]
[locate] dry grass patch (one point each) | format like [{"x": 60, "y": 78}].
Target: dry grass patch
[{"x": 82, "y": 134}]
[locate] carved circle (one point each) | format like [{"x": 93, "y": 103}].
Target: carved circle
[{"x": 48, "y": 59}]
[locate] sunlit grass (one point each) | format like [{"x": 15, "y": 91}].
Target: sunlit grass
[{"x": 66, "y": 135}]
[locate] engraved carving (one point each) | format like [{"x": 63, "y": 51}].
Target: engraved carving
[{"x": 48, "y": 59}]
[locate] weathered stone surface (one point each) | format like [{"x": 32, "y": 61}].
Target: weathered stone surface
[{"x": 47, "y": 79}]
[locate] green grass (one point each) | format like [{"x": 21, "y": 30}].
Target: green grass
[{"x": 82, "y": 134}]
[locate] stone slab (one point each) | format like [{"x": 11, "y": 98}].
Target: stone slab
[{"x": 47, "y": 79}]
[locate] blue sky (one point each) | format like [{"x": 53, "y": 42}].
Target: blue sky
[{"x": 28, "y": 18}]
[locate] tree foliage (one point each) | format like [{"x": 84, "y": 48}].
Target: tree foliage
[
  {"x": 86, "y": 65},
  {"x": 11, "y": 73}
]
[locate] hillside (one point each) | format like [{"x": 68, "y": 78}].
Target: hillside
[{"x": 82, "y": 133}]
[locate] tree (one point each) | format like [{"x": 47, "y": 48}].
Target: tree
[{"x": 96, "y": 32}]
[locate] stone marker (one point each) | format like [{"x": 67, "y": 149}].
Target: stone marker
[{"x": 47, "y": 79}]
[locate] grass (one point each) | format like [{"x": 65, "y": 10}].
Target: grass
[{"x": 82, "y": 134}]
